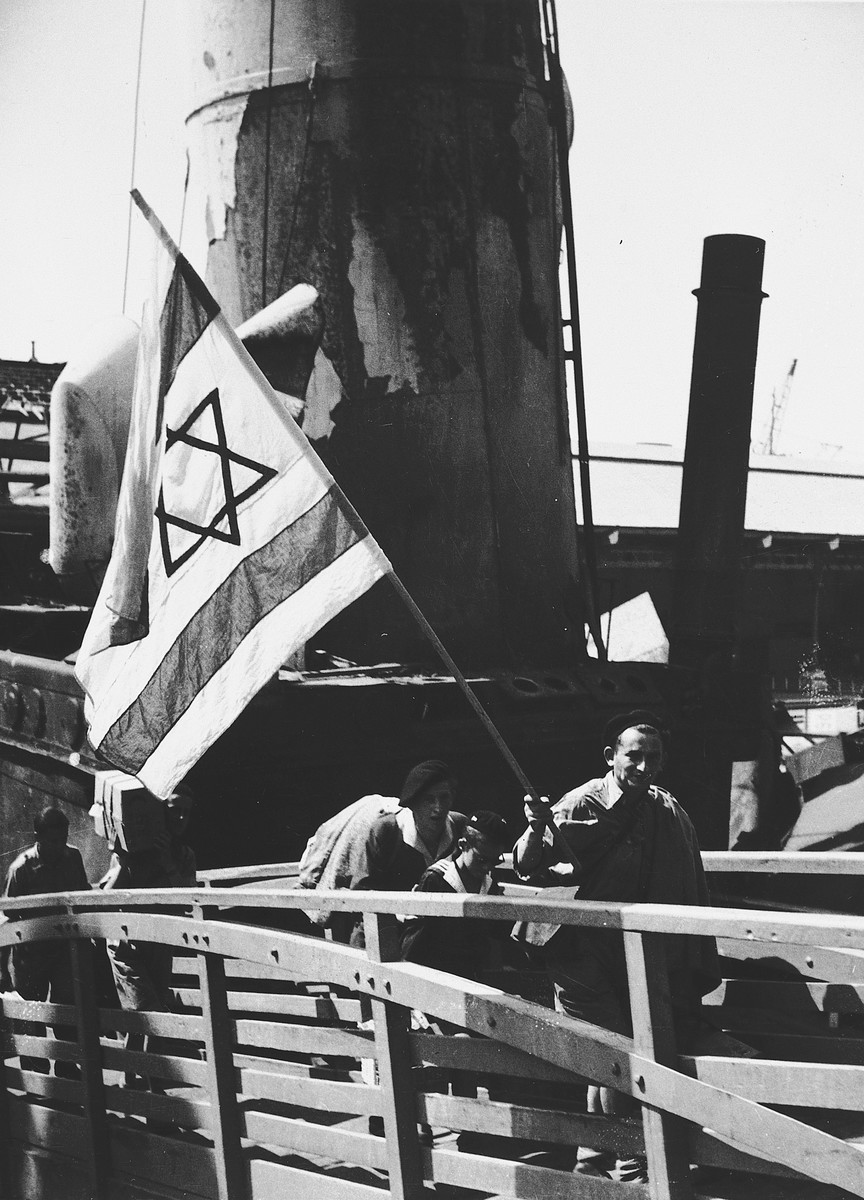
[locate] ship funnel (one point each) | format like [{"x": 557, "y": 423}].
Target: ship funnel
[{"x": 401, "y": 158}]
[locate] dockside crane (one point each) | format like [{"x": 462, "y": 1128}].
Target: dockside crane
[{"x": 771, "y": 437}]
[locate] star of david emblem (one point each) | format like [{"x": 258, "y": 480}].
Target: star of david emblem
[{"x": 223, "y": 524}]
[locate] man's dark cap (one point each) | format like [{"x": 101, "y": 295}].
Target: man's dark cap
[
  {"x": 420, "y": 778},
  {"x": 638, "y": 716},
  {"x": 50, "y": 818},
  {"x": 491, "y": 825}
]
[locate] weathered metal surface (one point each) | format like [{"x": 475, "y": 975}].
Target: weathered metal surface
[
  {"x": 42, "y": 709},
  {"x": 44, "y": 756},
  {"x": 413, "y": 184}
]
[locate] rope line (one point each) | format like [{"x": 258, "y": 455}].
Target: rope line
[
  {"x": 310, "y": 112},
  {"x": 134, "y": 151},
  {"x": 268, "y": 128}
]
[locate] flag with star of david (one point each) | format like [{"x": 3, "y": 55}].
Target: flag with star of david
[{"x": 233, "y": 544}]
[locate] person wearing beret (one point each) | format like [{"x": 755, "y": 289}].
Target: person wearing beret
[
  {"x": 400, "y": 845},
  {"x": 43, "y": 970},
  {"x": 633, "y": 843}
]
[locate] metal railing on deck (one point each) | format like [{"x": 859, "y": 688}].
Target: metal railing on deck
[{"x": 288, "y": 1044}]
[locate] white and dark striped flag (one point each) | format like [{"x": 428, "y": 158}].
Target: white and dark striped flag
[{"x": 233, "y": 544}]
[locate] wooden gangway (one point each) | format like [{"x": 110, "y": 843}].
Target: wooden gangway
[{"x": 293, "y": 1068}]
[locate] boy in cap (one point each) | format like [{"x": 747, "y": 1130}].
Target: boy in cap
[
  {"x": 462, "y": 945},
  {"x": 634, "y": 843}
]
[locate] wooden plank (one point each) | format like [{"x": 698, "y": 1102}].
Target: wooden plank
[
  {"x": 220, "y": 876},
  {"x": 746, "y": 1125},
  {"x": 187, "y": 1071},
  {"x": 34, "y": 1083},
  {"x": 38, "y": 1010},
  {"x": 812, "y": 961},
  {"x": 225, "y": 1127},
  {"x": 110, "y": 1020},
  {"x": 164, "y": 1024},
  {"x": 28, "y": 449},
  {"x": 5, "y": 1121},
  {"x": 35, "y": 1046},
  {"x": 24, "y": 477},
  {"x": 666, "y": 1140},
  {"x": 183, "y": 1166},
  {"x": 750, "y": 1127},
  {"x": 745, "y": 924},
  {"x": 269, "y": 1178},
  {"x": 783, "y": 862},
  {"x": 49, "y": 1128},
  {"x": 125, "y": 1102},
  {"x": 768, "y": 1081},
  {"x": 238, "y": 969},
  {"x": 398, "y": 1102},
  {"x": 296, "y": 1070},
  {"x": 359, "y": 1099},
  {"x": 506, "y": 1178},
  {"x": 485, "y": 1056},
  {"x": 10, "y": 415},
  {"x": 90, "y": 1064},
  {"x": 306, "y": 1039},
  {"x": 239, "y": 1002},
  {"x": 744, "y": 1021},
  {"x": 795, "y": 1084},
  {"x": 795, "y": 996},
  {"x": 708, "y": 1151},
  {"x": 806, "y": 1049},
  {"x": 181, "y": 1111},
  {"x": 320, "y": 1141},
  {"x": 623, "y": 1135}
]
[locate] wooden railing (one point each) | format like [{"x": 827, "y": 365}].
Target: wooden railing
[{"x": 293, "y": 1054}]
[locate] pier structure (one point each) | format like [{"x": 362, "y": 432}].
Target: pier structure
[{"x": 300, "y": 1066}]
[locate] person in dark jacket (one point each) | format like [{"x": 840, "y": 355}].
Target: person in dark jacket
[
  {"x": 634, "y": 842},
  {"x": 43, "y": 970},
  {"x": 399, "y": 846}
]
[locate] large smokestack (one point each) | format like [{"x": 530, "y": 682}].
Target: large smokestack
[
  {"x": 403, "y": 163},
  {"x": 722, "y": 728},
  {"x": 717, "y": 454}
]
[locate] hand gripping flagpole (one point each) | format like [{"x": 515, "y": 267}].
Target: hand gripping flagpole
[{"x": 200, "y": 290}]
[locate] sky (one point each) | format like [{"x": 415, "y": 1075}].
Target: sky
[{"x": 692, "y": 118}]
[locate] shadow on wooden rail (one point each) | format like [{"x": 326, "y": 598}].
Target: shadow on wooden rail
[{"x": 292, "y": 1066}]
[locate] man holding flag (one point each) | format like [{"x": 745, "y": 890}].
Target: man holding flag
[{"x": 233, "y": 546}]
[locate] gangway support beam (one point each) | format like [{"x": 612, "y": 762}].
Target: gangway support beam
[
  {"x": 393, "y": 1051},
  {"x": 90, "y": 1052},
  {"x": 231, "y": 1177},
  {"x": 666, "y": 1140}
]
